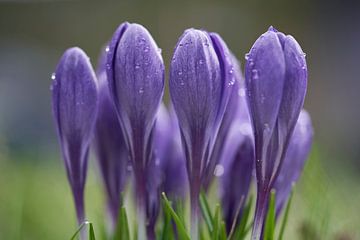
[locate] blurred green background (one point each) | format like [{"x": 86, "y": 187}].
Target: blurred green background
[{"x": 35, "y": 200}]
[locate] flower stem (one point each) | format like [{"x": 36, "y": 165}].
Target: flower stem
[{"x": 260, "y": 214}]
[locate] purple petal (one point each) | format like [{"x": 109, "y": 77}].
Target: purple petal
[
  {"x": 237, "y": 161},
  {"x": 75, "y": 99},
  {"x": 296, "y": 155},
  {"x": 111, "y": 151}
]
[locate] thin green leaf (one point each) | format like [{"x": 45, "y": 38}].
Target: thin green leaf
[
  {"x": 91, "y": 232},
  {"x": 216, "y": 231},
  {"x": 79, "y": 230},
  {"x": 122, "y": 231},
  {"x": 222, "y": 231},
  {"x": 167, "y": 232},
  {"x": 206, "y": 212},
  {"x": 270, "y": 218},
  {"x": 241, "y": 229},
  {"x": 286, "y": 214},
  {"x": 179, "y": 225}
]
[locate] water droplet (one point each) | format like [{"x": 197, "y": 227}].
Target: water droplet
[
  {"x": 241, "y": 92},
  {"x": 53, "y": 76},
  {"x": 180, "y": 73},
  {"x": 160, "y": 50},
  {"x": 146, "y": 49},
  {"x": 180, "y": 44},
  {"x": 255, "y": 74},
  {"x": 251, "y": 62},
  {"x": 141, "y": 90},
  {"x": 303, "y": 67},
  {"x": 219, "y": 170},
  {"x": 262, "y": 98},
  {"x": 247, "y": 56},
  {"x": 201, "y": 62},
  {"x": 107, "y": 49},
  {"x": 137, "y": 66},
  {"x": 304, "y": 54},
  {"x": 231, "y": 71},
  {"x": 108, "y": 66},
  {"x": 182, "y": 83}
]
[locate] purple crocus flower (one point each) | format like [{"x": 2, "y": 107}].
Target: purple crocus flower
[
  {"x": 276, "y": 79},
  {"x": 201, "y": 78},
  {"x": 237, "y": 162},
  {"x": 135, "y": 72},
  {"x": 230, "y": 115},
  {"x": 172, "y": 157},
  {"x": 110, "y": 148},
  {"x": 74, "y": 102},
  {"x": 296, "y": 155}
]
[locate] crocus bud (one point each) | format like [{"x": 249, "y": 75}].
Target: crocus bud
[
  {"x": 74, "y": 102},
  {"x": 230, "y": 114},
  {"x": 135, "y": 72},
  {"x": 296, "y": 155},
  {"x": 201, "y": 77},
  {"x": 172, "y": 157},
  {"x": 110, "y": 148},
  {"x": 236, "y": 167},
  {"x": 276, "y": 79}
]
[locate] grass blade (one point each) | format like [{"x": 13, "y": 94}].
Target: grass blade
[
  {"x": 91, "y": 232},
  {"x": 179, "y": 225},
  {"x": 215, "y": 233},
  {"x": 241, "y": 229},
  {"x": 122, "y": 231},
  {"x": 270, "y": 218},
  {"x": 286, "y": 214},
  {"x": 79, "y": 230},
  {"x": 206, "y": 212}
]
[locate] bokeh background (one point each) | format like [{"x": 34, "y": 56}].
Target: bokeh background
[{"x": 35, "y": 201}]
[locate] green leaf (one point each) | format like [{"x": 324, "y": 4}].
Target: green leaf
[
  {"x": 241, "y": 229},
  {"x": 206, "y": 212},
  {"x": 270, "y": 218},
  {"x": 286, "y": 214},
  {"x": 167, "y": 231},
  {"x": 78, "y": 231},
  {"x": 215, "y": 233},
  {"x": 122, "y": 231},
  {"x": 179, "y": 225},
  {"x": 91, "y": 232},
  {"x": 222, "y": 231}
]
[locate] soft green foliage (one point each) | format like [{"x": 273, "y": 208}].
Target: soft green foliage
[{"x": 36, "y": 203}]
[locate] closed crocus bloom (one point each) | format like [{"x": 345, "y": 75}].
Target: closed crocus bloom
[
  {"x": 110, "y": 149},
  {"x": 135, "y": 72},
  {"x": 200, "y": 84},
  {"x": 74, "y": 102},
  {"x": 230, "y": 115},
  {"x": 173, "y": 161},
  {"x": 276, "y": 79},
  {"x": 296, "y": 155},
  {"x": 237, "y": 163}
]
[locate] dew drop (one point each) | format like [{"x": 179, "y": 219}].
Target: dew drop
[
  {"x": 251, "y": 62},
  {"x": 146, "y": 49},
  {"x": 247, "y": 56},
  {"x": 137, "y": 66},
  {"x": 304, "y": 54},
  {"x": 182, "y": 83},
  {"x": 242, "y": 92},
  {"x": 53, "y": 76},
  {"x": 255, "y": 74},
  {"x": 219, "y": 170},
  {"x": 107, "y": 49},
  {"x": 160, "y": 50},
  {"x": 180, "y": 73},
  {"x": 141, "y": 90},
  {"x": 201, "y": 62}
]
